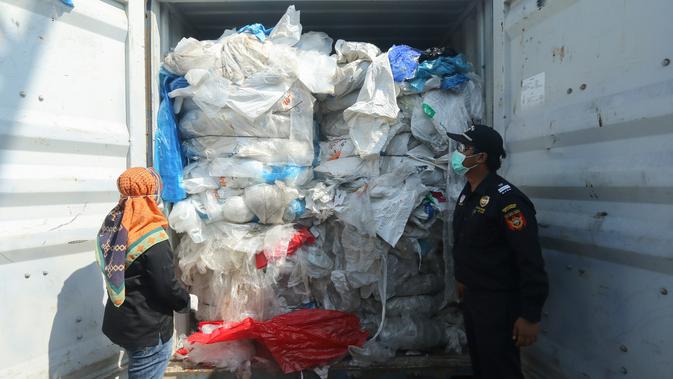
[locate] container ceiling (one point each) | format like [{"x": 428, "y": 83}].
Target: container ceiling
[{"x": 421, "y": 23}]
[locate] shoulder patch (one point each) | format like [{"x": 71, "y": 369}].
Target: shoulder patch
[
  {"x": 515, "y": 220},
  {"x": 509, "y": 208},
  {"x": 505, "y": 188}
]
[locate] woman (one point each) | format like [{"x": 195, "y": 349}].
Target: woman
[{"x": 136, "y": 259}]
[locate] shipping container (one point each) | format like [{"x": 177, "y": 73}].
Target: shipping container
[{"x": 582, "y": 91}]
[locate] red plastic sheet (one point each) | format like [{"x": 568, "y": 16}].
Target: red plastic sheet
[
  {"x": 299, "y": 239},
  {"x": 297, "y": 341}
]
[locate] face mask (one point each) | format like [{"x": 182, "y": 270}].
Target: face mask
[{"x": 457, "y": 159}]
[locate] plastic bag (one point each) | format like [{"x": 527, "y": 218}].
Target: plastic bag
[
  {"x": 370, "y": 117},
  {"x": 420, "y": 285},
  {"x": 400, "y": 144},
  {"x": 288, "y": 29},
  {"x": 315, "y": 41},
  {"x": 191, "y": 53},
  {"x": 298, "y": 340},
  {"x": 442, "y": 66},
  {"x": 243, "y": 56},
  {"x": 168, "y": 159},
  {"x": 226, "y": 205},
  {"x": 403, "y": 61},
  {"x": 474, "y": 100},
  {"x": 427, "y": 305},
  {"x": 257, "y": 30},
  {"x": 338, "y": 103},
  {"x": 231, "y": 356},
  {"x": 334, "y": 125},
  {"x": 336, "y": 149},
  {"x": 320, "y": 201},
  {"x": 350, "y": 76},
  {"x": 351, "y": 51},
  {"x": 354, "y": 208},
  {"x": 447, "y": 111},
  {"x": 183, "y": 218},
  {"x": 316, "y": 71},
  {"x": 269, "y": 202},
  {"x": 197, "y": 178},
  {"x": 392, "y": 205},
  {"x": 349, "y": 169}
]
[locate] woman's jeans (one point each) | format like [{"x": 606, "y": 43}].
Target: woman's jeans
[{"x": 150, "y": 362}]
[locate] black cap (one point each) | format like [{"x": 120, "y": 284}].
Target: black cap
[{"x": 484, "y": 138}]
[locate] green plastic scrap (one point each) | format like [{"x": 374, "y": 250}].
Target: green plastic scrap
[{"x": 429, "y": 111}]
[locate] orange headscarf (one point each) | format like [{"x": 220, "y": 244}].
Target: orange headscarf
[
  {"x": 140, "y": 188},
  {"x": 132, "y": 227}
]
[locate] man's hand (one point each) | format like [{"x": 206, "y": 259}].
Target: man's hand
[
  {"x": 525, "y": 332},
  {"x": 460, "y": 290}
]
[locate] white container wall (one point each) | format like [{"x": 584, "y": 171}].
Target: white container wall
[{"x": 66, "y": 113}]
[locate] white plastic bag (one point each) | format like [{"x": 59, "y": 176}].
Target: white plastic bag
[
  {"x": 370, "y": 117},
  {"x": 334, "y": 125},
  {"x": 268, "y": 202},
  {"x": 288, "y": 29},
  {"x": 336, "y": 149},
  {"x": 197, "y": 178},
  {"x": 190, "y": 54},
  {"x": 351, "y": 51},
  {"x": 316, "y": 71},
  {"x": 267, "y": 150},
  {"x": 350, "y": 76},
  {"x": 315, "y": 41},
  {"x": 231, "y": 356},
  {"x": 338, "y": 103},
  {"x": 184, "y": 219},
  {"x": 349, "y": 169}
]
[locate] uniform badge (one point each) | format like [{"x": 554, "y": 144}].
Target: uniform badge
[
  {"x": 461, "y": 200},
  {"x": 515, "y": 220},
  {"x": 509, "y": 208},
  {"x": 484, "y": 201}
]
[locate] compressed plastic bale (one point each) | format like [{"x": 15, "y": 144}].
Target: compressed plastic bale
[
  {"x": 336, "y": 149},
  {"x": 267, "y": 150},
  {"x": 427, "y": 305},
  {"x": 413, "y": 333},
  {"x": 288, "y": 29},
  {"x": 248, "y": 172},
  {"x": 350, "y": 76},
  {"x": 425, "y": 130},
  {"x": 315, "y": 41},
  {"x": 370, "y": 117},
  {"x": 351, "y": 51},
  {"x": 227, "y": 122}
]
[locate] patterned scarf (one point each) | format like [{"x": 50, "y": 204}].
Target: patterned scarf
[{"x": 132, "y": 227}]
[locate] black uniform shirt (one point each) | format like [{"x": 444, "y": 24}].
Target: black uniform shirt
[
  {"x": 152, "y": 294},
  {"x": 496, "y": 243}
]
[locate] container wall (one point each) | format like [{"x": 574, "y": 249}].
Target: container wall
[
  {"x": 64, "y": 139},
  {"x": 585, "y": 102}
]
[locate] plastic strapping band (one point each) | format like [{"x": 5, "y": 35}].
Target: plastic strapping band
[{"x": 383, "y": 291}]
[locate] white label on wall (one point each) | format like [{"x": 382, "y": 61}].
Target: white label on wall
[{"x": 532, "y": 91}]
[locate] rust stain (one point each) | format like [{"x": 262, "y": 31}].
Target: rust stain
[{"x": 559, "y": 52}]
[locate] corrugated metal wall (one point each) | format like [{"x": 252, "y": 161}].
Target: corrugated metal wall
[
  {"x": 590, "y": 139},
  {"x": 64, "y": 139}
]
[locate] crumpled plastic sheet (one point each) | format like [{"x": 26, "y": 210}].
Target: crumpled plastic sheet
[
  {"x": 348, "y": 52},
  {"x": 258, "y": 30},
  {"x": 442, "y": 66}
]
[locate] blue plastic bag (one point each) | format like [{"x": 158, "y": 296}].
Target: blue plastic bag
[
  {"x": 442, "y": 66},
  {"x": 68, "y": 3},
  {"x": 454, "y": 82},
  {"x": 168, "y": 158},
  {"x": 282, "y": 173},
  {"x": 403, "y": 62},
  {"x": 258, "y": 30}
]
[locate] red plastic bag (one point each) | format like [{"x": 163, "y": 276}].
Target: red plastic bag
[
  {"x": 297, "y": 341},
  {"x": 299, "y": 239}
]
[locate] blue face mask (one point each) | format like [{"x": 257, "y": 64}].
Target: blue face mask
[{"x": 457, "y": 159}]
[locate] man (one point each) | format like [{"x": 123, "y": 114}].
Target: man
[{"x": 497, "y": 257}]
